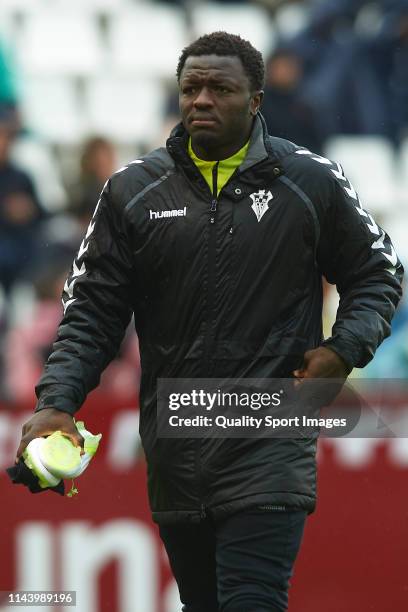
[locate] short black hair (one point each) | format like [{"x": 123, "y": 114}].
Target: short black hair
[{"x": 223, "y": 43}]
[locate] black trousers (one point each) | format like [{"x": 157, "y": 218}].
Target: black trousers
[{"x": 240, "y": 564}]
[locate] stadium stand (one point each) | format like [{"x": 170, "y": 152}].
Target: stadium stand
[
  {"x": 37, "y": 159},
  {"x": 136, "y": 48},
  {"x": 250, "y": 21},
  {"x": 59, "y": 43},
  {"x": 133, "y": 117},
  {"x": 369, "y": 162},
  {"x": 50, "y": 109}
]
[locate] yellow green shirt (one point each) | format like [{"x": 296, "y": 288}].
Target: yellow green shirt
[{"x": 226, "y": 167}]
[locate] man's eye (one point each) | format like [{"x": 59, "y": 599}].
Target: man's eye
[
  {"x": 222, "y": 89},
  {"x": 189, "y": 90}
]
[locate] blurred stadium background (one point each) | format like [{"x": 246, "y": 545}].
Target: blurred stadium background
[{"x": 88, "y": 85}]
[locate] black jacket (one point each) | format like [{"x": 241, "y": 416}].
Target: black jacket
[{"x": 222, "y": 289}]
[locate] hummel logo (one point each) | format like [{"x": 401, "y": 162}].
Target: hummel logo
[
  {"x": 260, "y": 202},
  {"x": 164, "y": 214}
]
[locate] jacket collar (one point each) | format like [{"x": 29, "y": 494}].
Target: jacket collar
[{"x": 259, "y": 152}]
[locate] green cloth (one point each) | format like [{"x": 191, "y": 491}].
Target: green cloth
[{"x": 225, "y": 169}]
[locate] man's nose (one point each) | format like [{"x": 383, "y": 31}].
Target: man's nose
[{"x": 203, "y": 98}]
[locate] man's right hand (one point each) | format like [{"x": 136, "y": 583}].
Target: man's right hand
[{"x": 44, "y": 423}]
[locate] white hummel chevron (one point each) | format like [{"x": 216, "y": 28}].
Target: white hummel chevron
[
  {"x": 78, "y": 271},
  {"x": 135, "y": 161},
  {"x": 69, "y": 288},
  {"x": 371, "y": 224},
  {"x": 322, "y": 160},
  {"x": 339, "y": 172},
  {"x": 100, "y": 197},
  {"x": 120, "y": 170},
  {"x": 82, "y": 249},
  {"x": 393, "y": 257},
  {"x": 96, "y": 208},
  {"x": 361, "y": 211},
  {"x": 379, "y": 244},
  {"x": 90, "y": 229},
  {"x": 66, "y": 304},
  {"x": 351, "y": 191}
]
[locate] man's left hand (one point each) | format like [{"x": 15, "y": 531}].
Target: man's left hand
[{"x": 322, "y": 363}]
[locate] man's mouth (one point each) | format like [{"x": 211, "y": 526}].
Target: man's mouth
[{"x": 200, "y": 121}]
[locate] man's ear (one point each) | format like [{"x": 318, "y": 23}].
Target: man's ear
[{"x": 256, "y": 102}]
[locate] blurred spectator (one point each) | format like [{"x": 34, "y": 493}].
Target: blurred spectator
[
  {"x": 389, "y": 54},
  {"x": 287, "y": 115},
  {"x": 20, "y": 211},
  {"x": 391, "y": 359},
  {"x": 98, "y": 163},
  {"x": 29, "y": 342},
  {"x": 340, "y": 81},
  {"x": 61, "y": 234},
  {"x": 171, "y": 115}
]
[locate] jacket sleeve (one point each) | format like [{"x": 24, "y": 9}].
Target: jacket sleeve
[
  {"x": 358, "y": 256},
  {"x": 97, "y": 310}
]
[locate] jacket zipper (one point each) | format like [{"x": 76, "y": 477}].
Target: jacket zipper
[
  {"x": 210, "y": 294},
  {"x": 211, "y": 267}
]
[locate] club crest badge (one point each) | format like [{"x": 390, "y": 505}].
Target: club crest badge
[{"x": 260, "y": 201}]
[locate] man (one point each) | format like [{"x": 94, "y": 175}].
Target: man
[
  {"x": 20, "y": 211},
  {"x": 217, "y": 245},
  {"x": 21, "y": 216}
]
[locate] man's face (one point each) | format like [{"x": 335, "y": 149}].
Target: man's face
[{"x": 217, "y": 104}]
